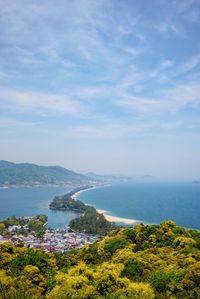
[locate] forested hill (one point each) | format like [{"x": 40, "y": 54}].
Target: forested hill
[
  {"x": 31, "y": 174},
  {"x": 144, "y": 262}
]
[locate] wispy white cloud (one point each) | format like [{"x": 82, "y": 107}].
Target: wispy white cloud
[
  {"x": 89, "y": 41},
  {"x": 185, "y": 8},
  {"x": 190, "y": 64},
  {"x": 183, "y": 95},
  {"x": 170, "y": 100},
  {"x": 12, "y": 122},
  {"x": 42, "y": 101},
  {"x": 89, "y": 28},
  {"x": 168, "y": 28},
  {"x": 141, "y": 104},
  {"x": 166, "y": 64},
  {"x": 175, "y": 16},
  {"x": 108, "y": 130}
]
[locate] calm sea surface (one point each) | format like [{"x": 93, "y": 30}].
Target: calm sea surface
[
  {"x": 33, "y": 201},
  {"x": 149, "y": 202},
  {"x": 146, "y": 202}
]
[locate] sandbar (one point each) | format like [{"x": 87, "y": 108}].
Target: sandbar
[{"x": 75, "y": 195}]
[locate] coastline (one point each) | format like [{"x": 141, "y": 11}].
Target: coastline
[
  {"x": 16, "y": 186},
  {"x": 117, "y": 219},
  {"x": 106, "y": 214},
  {"x": 76, "y": 194}
]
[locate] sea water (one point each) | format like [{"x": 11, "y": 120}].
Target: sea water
[
  {"x": 31, "y": 201},
  {"x": 150, "y": 202},
  {"x": 146, "y": 202}
]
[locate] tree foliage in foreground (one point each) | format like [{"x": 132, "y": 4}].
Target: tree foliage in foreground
[{"x": 143, "y": 262}]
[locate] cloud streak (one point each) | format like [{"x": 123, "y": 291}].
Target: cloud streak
[
  {"x": 170, "y": 100},
  {"x": 42, "y": 101},
  {"x": 12, "y": 122}
]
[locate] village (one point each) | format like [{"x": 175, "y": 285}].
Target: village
[{"x": 52, "y": 240}]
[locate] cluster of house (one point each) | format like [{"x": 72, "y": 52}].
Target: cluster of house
[{"x": 53, "y": 240}]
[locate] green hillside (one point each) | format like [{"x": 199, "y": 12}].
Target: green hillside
[
  {"x": 144, "y": 262},
  {"x": 31, "y": 174}
]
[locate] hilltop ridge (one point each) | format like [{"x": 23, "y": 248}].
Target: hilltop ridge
[{"x": 28, "y": 174}]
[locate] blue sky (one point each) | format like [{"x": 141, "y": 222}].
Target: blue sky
[{"x": 107, "y": 86}]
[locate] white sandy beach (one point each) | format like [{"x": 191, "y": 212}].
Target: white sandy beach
[{"x": 117, "y": 219}]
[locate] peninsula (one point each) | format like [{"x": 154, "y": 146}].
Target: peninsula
[
  {"x": 89, "y": 220},
  {"x": 67, "y": 201}
]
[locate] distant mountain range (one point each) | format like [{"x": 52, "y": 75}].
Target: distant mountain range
[{"x": 26, "y": 174}]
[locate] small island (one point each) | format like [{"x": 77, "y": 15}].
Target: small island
[{"x": 88, "y": 220}]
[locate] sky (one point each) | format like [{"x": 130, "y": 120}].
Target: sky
[{"x": 108, "y": 86}]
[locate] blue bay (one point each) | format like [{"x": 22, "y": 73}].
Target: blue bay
[
  {"x": 32, "y": 201},
  {"x": 146, "y": 202}
]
